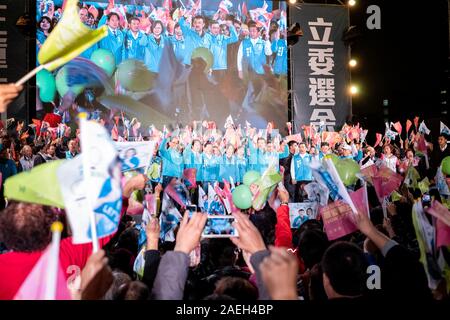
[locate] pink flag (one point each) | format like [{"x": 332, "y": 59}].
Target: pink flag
[
  {"x": 338, "y": 216},
  {"x": 379, "y": 136},
  {"x": 408, "y": 125},
  {"x": 337, "y": 219},
  {"x": 398, "y": 127},
  {"x": 416, "y": 122},
  {"x": 422, "y": 144},
  {"x": 442, "y": 214},
  {"x": 189, "y": 176},
  {"x": 385, "y": 182},
  {"x": 170, "y": 190},
  {"x": 150, "y": 199},
  {"x": 35, "y": 285},
  {"x": 306, "y": 131},
  {"x": 134, "y": 207},
  {"x": 439, "y": 211}
]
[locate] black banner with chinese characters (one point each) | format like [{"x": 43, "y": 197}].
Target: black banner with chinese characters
[{"x": 321, "y": 75}]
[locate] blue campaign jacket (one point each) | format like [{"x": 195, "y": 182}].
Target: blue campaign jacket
[
  {"x": 228, "y": 168},
  {"x": 254, "y": 56},
  {"x": 219, "y": 45},
  {"x": 302, "y": 171},
  {"x": 193, "y": 160},
  {"x": 193, "y": 40},
  {"x": 132, "y": 49},
  {"x": 210, "y": 168},
  {"x": 172, "y": 161},
  {"x": 242, "y": 164},
  {"x": 179, "y": 48},
  {"x": 280, "y": 48},
  {"x": 153, "y": 52},
  {"x": 113, "y": 44},
  {"x": 88, "y": 52},
  {"x": 274, "y": 157}
]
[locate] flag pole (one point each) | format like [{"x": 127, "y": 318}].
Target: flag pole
[
  {"x": 52, "y": 270},
  {"x": 30, "y": 75},
  {"x": 83, "y": 118}
]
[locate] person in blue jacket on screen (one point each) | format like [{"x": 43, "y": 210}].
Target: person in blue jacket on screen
[
  {"x": 132, "y": 49},
  {"x": 154, "y": 46},
  {"x": 115, "y": 38},
  {"x": 193, "y": 158},
  {"x": 211, "y": 165},
  {"x": 228, "y": 166},
  {"x": 301, "y": 171},
  {"x": 179, "y": 44},
  {"x": 279, "y": 49},
  {"x": 84, "y": 17},
  {"x": 194, "y": 38},
  {"x": 172, "y": 160},
  {"x": 253, "y": 51},
  {"x": 218, "y": 46}
]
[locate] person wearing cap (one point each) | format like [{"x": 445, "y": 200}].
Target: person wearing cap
[{"x": 346, "y": 152}]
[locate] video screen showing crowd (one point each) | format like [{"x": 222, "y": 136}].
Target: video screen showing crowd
[{"x": 221, "y": 58}]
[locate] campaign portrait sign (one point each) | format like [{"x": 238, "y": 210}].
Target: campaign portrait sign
[
  {"x": 135, "y": 155},
  {"x": 300, "y": 212}
]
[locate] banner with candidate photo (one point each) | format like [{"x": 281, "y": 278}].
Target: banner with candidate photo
[
  {"x": 135, "y": 155},
  {"x": 179, "y": 61},
  {"x": 321, "y": 75}
]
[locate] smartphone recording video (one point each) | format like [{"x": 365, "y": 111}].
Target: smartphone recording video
[{"x": 219, "y": 227}]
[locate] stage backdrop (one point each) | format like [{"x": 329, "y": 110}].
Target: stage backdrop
[
  {"x": 258, "y": 94},
  {"x": 321, "y": 75}
]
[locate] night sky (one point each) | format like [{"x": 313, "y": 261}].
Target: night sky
[{"x": 404, "y": 62}]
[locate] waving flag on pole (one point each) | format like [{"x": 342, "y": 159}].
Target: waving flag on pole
[
  {"x": 423, "y": 128},
  {"x": 46, "y": 280},
  {"x": 379, "y": 137},
  {"x": 91, "y": 186},
  {"x": 67, "y": 41},
  {"x": 398, "y": 127},
  {"x": 444, "y": 129},
  {"x": 39, "y": 185},
  {"x": 416, "y": 122},
  {"x": 225, "y": 6},
  {"x": 408, "y": 126}
]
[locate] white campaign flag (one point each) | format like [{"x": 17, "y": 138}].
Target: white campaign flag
[
  {"x": 202, "y": 202},
  {"x": 423, "y": 128},
  {"x": 444, "y": 129},
  {"x": 135, "y": 155},
  {"x": 91, "y": 185}
]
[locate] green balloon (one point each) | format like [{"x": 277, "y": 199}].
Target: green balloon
[
  {"x": 134, "y": 76},
  {"x": 206, "y": 55},
  {"x": 105, "y": 60},
  {"x": 347, "y": 170},
  {"x": 251, "y": 177},
  {"x": 446, "y": 165},
  {"x": 242, "y": 197},
  {"x": 333, "y": 157},
  {"x": 61, "y": 84},
  {"x": 47, "y": 85}
]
